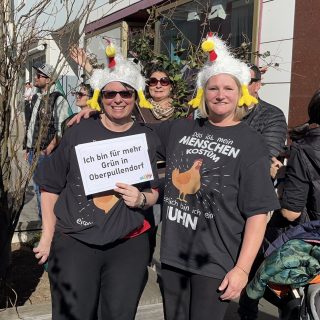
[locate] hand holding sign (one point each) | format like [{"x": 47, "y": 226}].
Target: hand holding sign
[{"x": 130, "y": 194}]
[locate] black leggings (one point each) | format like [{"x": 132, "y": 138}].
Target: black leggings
[
  {"x": 83, "y": 277},
  {"x": 189, "y": 296}
]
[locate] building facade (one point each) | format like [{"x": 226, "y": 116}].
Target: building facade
[{"x": 282, "y": 32}]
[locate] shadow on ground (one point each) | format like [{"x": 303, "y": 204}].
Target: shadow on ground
[
  {"x": 23, "y": 277},
  {"x": 29, "y": 194}
]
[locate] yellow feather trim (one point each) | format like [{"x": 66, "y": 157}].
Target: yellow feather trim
[
  {"x": 246, "y": 98},
  {"x": 207, "y": 45},
  {"x": 195, "y": 103},
  {"x": 143, "y": 102},
  {"x": 93, "y": 102}
]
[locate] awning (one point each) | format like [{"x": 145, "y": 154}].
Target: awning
[{"x": 120, "y": 15}]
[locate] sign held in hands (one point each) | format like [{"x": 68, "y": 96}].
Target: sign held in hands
[{"x": 104, "y": 163}]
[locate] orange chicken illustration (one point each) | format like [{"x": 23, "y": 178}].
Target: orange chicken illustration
[
  {"x": 187, "y": 182},
  {"x": 105, "y": 202}
]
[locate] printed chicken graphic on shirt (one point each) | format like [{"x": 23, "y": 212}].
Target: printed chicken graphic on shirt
[
  {"x": 187, "y": 182},
  {"x": 105, "y": 202}
]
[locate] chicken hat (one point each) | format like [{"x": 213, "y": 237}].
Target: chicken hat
[
  {"x": 119, "y": 69},
  {"x": 221, "y": 61}
]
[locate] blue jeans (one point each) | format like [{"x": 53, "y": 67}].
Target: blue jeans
[{"x": 35, "y": 186}]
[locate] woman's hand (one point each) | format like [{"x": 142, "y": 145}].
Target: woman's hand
[
  {"x": 80, "y": 57},
  {"x": 275, "y": 169},
  {"x": 131, "y": 196},
  {"x": 43, "y": 249},
  {"x": 233, "y": 283},
  {"x": 84, "y": 113}
]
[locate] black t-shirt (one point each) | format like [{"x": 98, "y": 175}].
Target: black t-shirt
[
  {"x": 97, "y": 219},
  {"x": 216, "y": 177}
]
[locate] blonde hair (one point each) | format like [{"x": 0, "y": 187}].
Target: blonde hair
[{"x": 240, "y": 112}]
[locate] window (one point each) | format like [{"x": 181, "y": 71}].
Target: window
[{"x": 231, "y": 19}]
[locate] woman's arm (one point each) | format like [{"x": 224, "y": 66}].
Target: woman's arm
[
  {"x": 48, "y": 201},
  {"x": 80, "y": 57},
  {"x": 290, "y": 215},
  {"x": 85, "y": 113},
  {"x": 237, "y": 278},
  {"x": 134, "y": 198}
]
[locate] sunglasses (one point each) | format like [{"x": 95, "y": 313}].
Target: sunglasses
[
  {"x": 165, "y": 81},
  {"x": 39, "y": 75},
  {"x": 124, "y": 94},
  {"x": 80, "y": 94},
  {"x": 254, "y": 80}
]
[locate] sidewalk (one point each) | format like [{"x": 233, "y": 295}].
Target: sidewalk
[{"x": 150, "y": 306}]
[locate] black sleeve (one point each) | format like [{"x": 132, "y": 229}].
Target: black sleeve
[
  {"x": 256, "y": 191},
  {"x": 275, "y": 134},
  {"x": 296, "y": 183},
  {"x": 153, "y": 145},
  {"x": 51, "y": 174}
]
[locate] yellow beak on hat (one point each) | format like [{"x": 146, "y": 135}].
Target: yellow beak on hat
[
  {"x": 246, "y": 98},
  {"x": 195, "y": 103},
  {"x": 93, "y": 102}
]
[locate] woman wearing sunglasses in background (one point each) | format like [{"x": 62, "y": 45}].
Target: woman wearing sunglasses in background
[
  {"x": 159, "y": 92},
  {"x": 97, "y": 246},
  {"x": 84, "y": 93}
]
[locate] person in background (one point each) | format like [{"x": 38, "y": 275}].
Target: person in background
[
  {"x": 97, "y": 246},
  {"x": 159, "y": 90},
  {"x": 49, "y": 110},
  {"x": 301, "y": 189},
  {"x": 83, "y": 94},
  {"x": 270, "y": 122},
  {"x": 217, "y": 194},
  {"x": 27, "y": 102},
  {"x": 266, "y": 118}
]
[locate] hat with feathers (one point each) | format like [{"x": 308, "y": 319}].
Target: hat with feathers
[
  {"x": 118, "y": 69},
  {"x": 222, "y": 61}
]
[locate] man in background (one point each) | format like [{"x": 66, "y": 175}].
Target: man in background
[
  {"x": 49, "y": 109},
  {"x": 266, "y": 118},
  {"x": 271, "y": 123}
]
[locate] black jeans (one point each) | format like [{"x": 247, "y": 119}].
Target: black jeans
[
  {"x": 189, "y": 296},
  {"x": 84, "y": 277}
]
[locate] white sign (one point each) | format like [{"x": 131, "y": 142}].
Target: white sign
[{"x": 104, "y": 163}]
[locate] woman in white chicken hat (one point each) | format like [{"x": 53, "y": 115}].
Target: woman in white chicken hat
[
  {"x": 217, "y": 193},
  {"x": 97, "y": 245}
]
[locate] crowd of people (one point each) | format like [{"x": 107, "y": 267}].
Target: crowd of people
[{"x": 217, "y": 191}]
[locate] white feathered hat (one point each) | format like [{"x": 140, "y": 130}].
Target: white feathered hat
[
  {"x": 119, "y": 69},
  {"x": 221, "y": 61}
]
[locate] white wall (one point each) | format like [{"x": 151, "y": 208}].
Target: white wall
[{"x": 276, "y": 36}]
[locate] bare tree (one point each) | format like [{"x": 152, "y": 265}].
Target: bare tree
[{"x": 21, "y": 28}]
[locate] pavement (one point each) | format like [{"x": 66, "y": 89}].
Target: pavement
[{"x": 150, "y": 306}]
